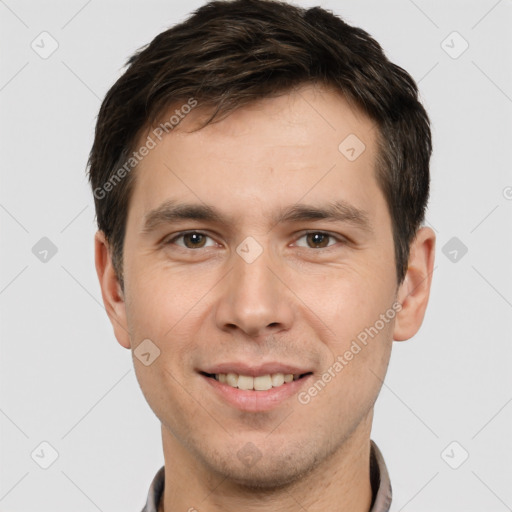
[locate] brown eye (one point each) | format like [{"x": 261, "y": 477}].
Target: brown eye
[
  {"x": 318, "y": 240},
  {"x": 191, "y": 240}
]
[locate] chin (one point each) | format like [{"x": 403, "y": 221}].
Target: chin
[
  {"x": 263, "y": 480},
  {"x": 271, "y": 472}
]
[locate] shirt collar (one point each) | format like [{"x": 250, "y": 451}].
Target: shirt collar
[{"x": 379, "y": 478}]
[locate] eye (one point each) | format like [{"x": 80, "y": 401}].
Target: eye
[
  {"x": 191, "y": 240},
  {"x": 317, "y": 240},
  {"x": 198, "y": 240}
]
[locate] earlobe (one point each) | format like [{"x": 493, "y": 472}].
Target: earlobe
[
  {"x": 414, "y": 291},
  {"x": 111, "y": 292}
]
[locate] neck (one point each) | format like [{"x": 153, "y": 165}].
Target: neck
[{"x": 343, "y": 479}]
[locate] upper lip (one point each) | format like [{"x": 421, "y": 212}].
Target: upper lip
[{"x": 255, "y": 370}]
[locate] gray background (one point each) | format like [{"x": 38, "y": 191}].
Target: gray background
[{"x": 65, "y": 380}]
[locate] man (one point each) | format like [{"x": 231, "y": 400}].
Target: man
[{"x": 261, "y": 174}]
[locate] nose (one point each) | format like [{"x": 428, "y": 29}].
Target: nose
[{"x": 255, "y": 298}]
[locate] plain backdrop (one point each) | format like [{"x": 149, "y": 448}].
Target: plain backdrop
[{"x": 65, "y": 381}]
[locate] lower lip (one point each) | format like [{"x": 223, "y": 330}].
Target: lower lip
[{"x": 256, "y": 401}]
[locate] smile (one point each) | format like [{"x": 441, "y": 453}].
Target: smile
[
  {"x": 258, "y": 383},
  {"x": 255, "y": 393}
]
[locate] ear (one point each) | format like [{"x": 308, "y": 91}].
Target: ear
[
  {"x": 414, "y": 291},
  {"x": 113, "y": 297}
]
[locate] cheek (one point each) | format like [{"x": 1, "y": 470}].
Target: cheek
[
  {"x": 166, "y": 307},
  {"x": 351, "y": 380},
  {"x": 162, "y": 308},
  {"x": 169, "y": 397},
  {"x": 162, "y": 298},
  {"x": 353, "y": 299},
  {"x": 357, "y": 307}
]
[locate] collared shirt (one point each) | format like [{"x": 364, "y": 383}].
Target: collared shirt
[{"x": 379, "y": 478}]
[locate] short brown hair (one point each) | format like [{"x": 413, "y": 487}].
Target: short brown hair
[{"x": 230, "y": 53}]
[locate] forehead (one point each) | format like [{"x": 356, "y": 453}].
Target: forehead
[{"x": 307, "y": 142}]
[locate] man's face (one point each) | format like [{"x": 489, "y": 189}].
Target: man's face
[{"x": 283, "y": 301}]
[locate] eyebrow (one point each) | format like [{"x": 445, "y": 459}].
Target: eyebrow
[{"x": 336, "y": 211}]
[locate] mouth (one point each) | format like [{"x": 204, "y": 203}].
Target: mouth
[{"x": 264, "y": 382}]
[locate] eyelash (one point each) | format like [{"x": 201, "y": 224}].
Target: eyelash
[{"x": 306, "y": 233}]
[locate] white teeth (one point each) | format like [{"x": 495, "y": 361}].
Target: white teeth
[
  {"x": 232, "y": 379},
  {"x": 260, "y": 383},
  {"x": 277, "y": 379},
  {"x": 245, "y": 382}
]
